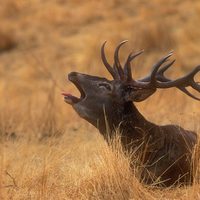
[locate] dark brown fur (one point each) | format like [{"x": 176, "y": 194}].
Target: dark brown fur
[{"x": 166, "y": 150}]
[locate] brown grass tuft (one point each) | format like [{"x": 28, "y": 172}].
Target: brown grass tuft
[{"x": 46, "y": 150}]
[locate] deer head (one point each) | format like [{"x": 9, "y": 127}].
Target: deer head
[{"x": 100, "y": 96}]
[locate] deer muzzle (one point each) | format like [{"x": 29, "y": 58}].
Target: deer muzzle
[{"x": 74, "y": 77}]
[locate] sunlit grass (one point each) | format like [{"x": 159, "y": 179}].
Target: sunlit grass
[{"x": 46, "y": 150}]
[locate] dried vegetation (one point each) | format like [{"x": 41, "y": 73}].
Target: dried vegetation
[{"x": 46, "y": 150}]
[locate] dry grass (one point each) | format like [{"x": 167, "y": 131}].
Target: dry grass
[{"x": 46, "y": 151}]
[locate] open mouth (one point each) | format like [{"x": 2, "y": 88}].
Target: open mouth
[{"x": 69, "y": 98}]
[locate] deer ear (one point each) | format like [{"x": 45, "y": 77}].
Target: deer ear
[{"x": 139, "y": 94}]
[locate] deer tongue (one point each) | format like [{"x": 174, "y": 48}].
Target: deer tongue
[{"x": 70, "y": 99}]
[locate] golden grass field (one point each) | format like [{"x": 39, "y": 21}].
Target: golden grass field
[{"x": 46, "y": 150}]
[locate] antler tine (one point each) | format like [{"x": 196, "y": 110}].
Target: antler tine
[
  {"x": 183, "y": 89},
  {"x": 162, "y": 78},
  {"x": 117, "y": 65},
  {"x": 181, "y": 83},
  {"x": 157, "y": 73},
  {"x": 127, "y": 66},
  {"x": 133, "y": 56},
  {"x": 127, "y": 69},
  {"x": 105, "y": 62},
  {"x": 195, "y": 85},
  {"x": 185, "y": 81},
  {"x": 160, "y": 74},
  {"x": 157, "y": 66}
]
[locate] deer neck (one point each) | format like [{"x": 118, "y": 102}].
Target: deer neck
[{"x": 126, "y": 118}]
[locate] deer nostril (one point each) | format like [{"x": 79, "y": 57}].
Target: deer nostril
[{"x": 72, "y": 74}]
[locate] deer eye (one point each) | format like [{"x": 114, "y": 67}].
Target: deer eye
[{"x": 104, "y": 85}]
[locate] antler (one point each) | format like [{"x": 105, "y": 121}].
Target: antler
[
  {"x": 158, "y": 80},
  {"x": 117, "y": 72},
  {"x": 117, "y": 66},
  {"x": 105, "y": 62},
  {"x": 127, "y": 66}
]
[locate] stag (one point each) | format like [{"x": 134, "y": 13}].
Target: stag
[{"x": 167, "y": 150}]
